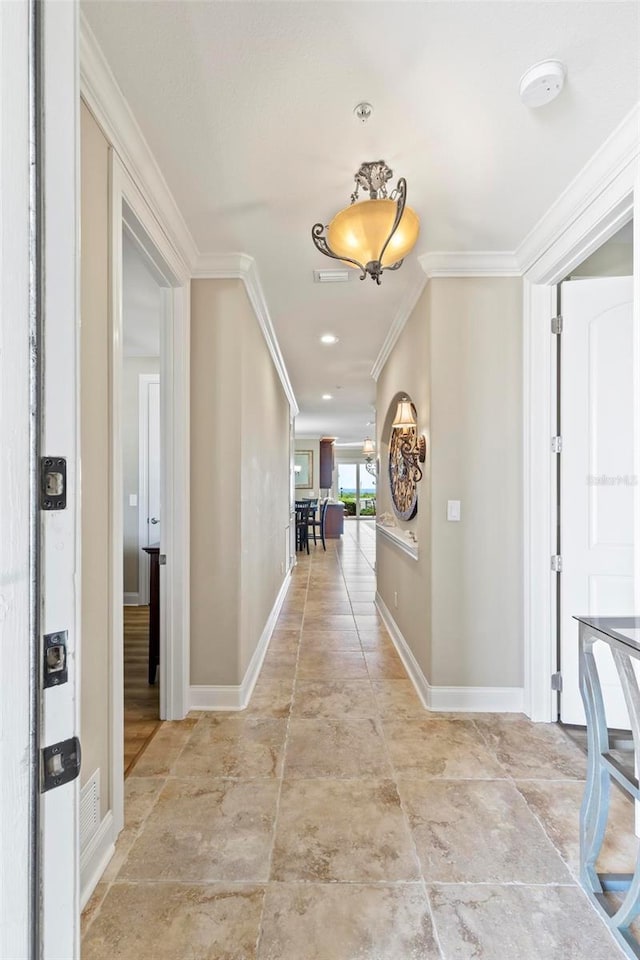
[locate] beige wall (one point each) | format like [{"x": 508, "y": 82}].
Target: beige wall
[
  {"x": 407, "y": 371},
  {"x": 132, "y": 368},
  {"x": 94, "y": 453},
  {"x": 610, "y": 260},
  {"x": 264, "y": 487},
  {"x": 239, "y": 482},
  {"x": 460, "y": 605}
]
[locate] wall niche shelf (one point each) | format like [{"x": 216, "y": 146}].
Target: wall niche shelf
[{"x": 398, "y": 540}]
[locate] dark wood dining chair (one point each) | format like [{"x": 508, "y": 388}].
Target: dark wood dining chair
[
  {"x": 302, "y": 524},
  {"x": 316, "y": 524}
]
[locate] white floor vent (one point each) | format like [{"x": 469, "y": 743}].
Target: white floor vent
[{"x": 89, "y": 809}]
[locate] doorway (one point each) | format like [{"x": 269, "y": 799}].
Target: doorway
[
  {"x": 142, "y": 306},
  {"x": 357, "y": 489},
  {"x": 596, "y": 476}
]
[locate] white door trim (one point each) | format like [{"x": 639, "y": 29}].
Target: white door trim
[
  {"x": 595, "y": 215},
  {"x": 129, "y": 206},
  {"x": 144, "y": 380}
]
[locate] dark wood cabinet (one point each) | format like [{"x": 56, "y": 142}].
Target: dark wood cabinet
[{"x": 326, "y": 464}]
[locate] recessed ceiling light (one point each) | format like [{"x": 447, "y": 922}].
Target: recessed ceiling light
[
  {"x": 328, "y": 338},
  {"x": 327, "y": 396}
]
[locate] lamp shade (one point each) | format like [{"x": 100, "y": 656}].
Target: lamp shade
[
  {"x": 405, "y": 416},
  {"x": 359, "y": 232},
  {"x": 367, "y": 447}
]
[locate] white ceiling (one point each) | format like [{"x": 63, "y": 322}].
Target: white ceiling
[
  {"x": 141, "y": 303},
  {"x": 248, "y": 110}
]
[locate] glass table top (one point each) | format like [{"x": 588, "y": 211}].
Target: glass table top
[{"x": 625, "y": 629}]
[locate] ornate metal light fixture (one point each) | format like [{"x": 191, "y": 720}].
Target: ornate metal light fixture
[
  {"x": 372, "y": 235},
  {"x": 412, "y": 448},
  {"x": 368, "y": 450}
]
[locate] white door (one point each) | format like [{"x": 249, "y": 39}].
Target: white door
[
  {"x": 597, "y": 467},
  {"x": 149, "y": 453},
  {"x": 39, "y": 830},
  {"x": 154, "y": 462}
]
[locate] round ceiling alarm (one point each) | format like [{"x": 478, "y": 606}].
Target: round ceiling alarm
[{"x": 542, "y": 83}]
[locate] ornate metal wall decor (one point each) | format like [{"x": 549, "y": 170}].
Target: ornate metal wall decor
[
  {"x": 372, "y": 235},
  {"x": 407, "y": 451},
  {"x": 402, "y": 477}
]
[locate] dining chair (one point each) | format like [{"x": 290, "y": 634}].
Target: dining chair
[{"x": 317, "y": 523}]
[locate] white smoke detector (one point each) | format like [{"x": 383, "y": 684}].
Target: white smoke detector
[{"x": 542, "y": 83}]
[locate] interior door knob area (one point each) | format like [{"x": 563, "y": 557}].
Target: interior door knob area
[{"x": 154, "y": 520}]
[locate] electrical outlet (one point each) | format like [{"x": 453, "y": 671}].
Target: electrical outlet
[{"x": 395, "y": 599}]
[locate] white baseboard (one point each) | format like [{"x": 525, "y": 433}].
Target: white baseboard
[
  {"x": 450, "y": 699},
  {"x": 132, "y": 599},
  {"x": 236, "y": 697},
  {"x": 95, "y": 858}
]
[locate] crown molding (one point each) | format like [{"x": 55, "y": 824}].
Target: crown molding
[
  {"x": 240, "y": 266},
  {"x": 405, "y": 310},
  {"x": 619, "y": 151},
  {"x": 99, "y": 88},
  {"x": 470, "y": 264}
]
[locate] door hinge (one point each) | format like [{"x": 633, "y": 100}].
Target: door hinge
[
  {"x": 556, "y": 444},
  {"x": 556, "y": 324},
  {"x": 162, "y": 559},
  {"x": 556, "y": 681},
  {"x": 556, "y": 563},
  {"x": 60, "y": 763}
]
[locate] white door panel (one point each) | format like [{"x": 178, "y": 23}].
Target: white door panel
[
  {"x": 597, "y": 496},
  {"x": 153, "y": 460}
]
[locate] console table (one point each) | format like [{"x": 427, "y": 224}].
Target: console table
[
  {"x": 622, "y": 635},
  {"x": 154, "y": 610}
]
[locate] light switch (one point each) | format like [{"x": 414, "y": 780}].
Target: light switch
[
  {"x": 133, "y": 499},
  {"x": 453, "y": 509}
]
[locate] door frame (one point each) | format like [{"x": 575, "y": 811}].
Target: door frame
[
  {"x": 144, "y": 381},
  {"x": 604, "y": 198},
  {"x": 129, "y": 209}
]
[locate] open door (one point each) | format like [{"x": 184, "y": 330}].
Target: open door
[
  {"x": 597, "y": 476},
  {"x": 39, "y": 862}
]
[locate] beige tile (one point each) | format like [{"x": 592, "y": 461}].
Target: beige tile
[
  {"x": 140, "y": 794},
  {"x": 284, "y": 641},
  {"x": 362, "y": 596},
  {"x": 207, "y": 830},
  {"x": 426, "y": 748},
  {"x": 234, "y": 747},
  {"x": 384, "y": 665},
  {"x": 92, "y": 909},
  {"x": 329, "y": 622},
  {"x": 478, "y": 831},
  {"x": 349, "y": 830},
  {"x": 169, "y": 921},
  {"x": 363, "y": 608},
  {"x": 270, "y": 698},
  {"x": 322, "y": 608},
  {"x": 340, "y": 699},
  {"x": 290, "y": 620},
  {"x": 166, "y": 746},
  {"x": 519, "y": 923},
  {"x": 532, "y": 751},
  {"x": 335, "y": 748},
  {"x": 556, "y": 803},
  {"x": 278, "y": 665},
  {"x": 332, "y": 665},
  {"x": 330, "y": 640},
  {"x": 337, "y": 921},
  {"x": 397, "y": 699}
]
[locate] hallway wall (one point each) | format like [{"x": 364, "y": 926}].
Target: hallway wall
[
  {"x": 460, "y": 605},
  {"x": 239, "y": 482}
]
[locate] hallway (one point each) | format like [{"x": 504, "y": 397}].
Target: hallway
[{"x": 335, "y": 819}]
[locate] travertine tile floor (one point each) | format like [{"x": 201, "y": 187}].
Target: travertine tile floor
[{"x": 335, "y": 819}]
